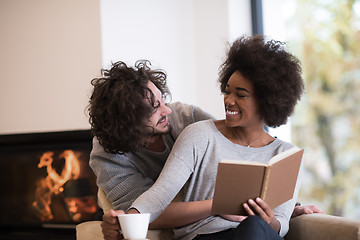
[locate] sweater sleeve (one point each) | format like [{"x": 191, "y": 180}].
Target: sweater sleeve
[
  {"x": 117, "y": 177},
  {"x": 171, "y": 180},
  {"x": 177, "y": 170}
]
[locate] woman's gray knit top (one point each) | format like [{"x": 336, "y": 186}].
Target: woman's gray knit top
[{"x": 193, "y": 164}]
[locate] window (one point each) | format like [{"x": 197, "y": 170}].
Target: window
[{"x": 326, "y": 123}]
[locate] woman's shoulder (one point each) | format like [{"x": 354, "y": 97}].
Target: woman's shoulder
[
  {"x": 283, "y": 145},
  {"x": 199, "y": 129}
]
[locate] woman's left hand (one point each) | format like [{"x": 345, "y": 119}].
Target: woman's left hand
[
  {"x": 262, "y": 209},
  {"x": 234, "y": 218}
]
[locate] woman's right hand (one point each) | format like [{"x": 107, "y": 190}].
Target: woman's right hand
[{"x": 110, "y": 225}]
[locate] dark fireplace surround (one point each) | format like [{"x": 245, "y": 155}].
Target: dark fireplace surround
[{"x": 46, "y": 184}]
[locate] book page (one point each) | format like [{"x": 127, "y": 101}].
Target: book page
[
  {"x": 283, "y": 155},
  {"x": 242, "y": 162},
  {"x": 282, "y": 179}
]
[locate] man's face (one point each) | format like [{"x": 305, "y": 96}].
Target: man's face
[{"x": 158, "y": 122}]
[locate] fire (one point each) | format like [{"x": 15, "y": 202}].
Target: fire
[{"x": 53, "y": 183}]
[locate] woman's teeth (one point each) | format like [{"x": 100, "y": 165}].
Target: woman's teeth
[{"x": 232, "y": 112}]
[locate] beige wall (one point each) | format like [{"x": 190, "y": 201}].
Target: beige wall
[
  {"x": 50, "y": 50},
  {"x": 186, "y": 38}
]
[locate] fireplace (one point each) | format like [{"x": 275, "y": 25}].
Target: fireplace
[{"x": 46, "y": 184}]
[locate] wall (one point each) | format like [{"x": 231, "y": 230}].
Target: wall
[
  {"x": 186, "y": 38},
  {"x": 51, "y": 49}
]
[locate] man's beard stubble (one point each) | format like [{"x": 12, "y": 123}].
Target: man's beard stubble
[{"x": 158, "y": 133}]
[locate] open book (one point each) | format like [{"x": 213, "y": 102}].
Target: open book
[{"x": 238, "y": 181}]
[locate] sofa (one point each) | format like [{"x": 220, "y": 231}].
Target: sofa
[{"x": 304, "y": 227}]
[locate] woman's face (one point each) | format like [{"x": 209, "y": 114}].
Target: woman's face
[{"x": 240, "y": 103}]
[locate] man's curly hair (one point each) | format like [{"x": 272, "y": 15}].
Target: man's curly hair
[
  {"x": 117, "y": 110},
  {"x": 274, "y": 73}
]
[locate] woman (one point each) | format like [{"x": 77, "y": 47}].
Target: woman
[{"x": 261, "y": 83}]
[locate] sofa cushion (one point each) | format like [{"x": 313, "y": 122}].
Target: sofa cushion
[{"x": 323, "y": 226}]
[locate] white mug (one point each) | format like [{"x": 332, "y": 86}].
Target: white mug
[{"x": 134, "y": 226}]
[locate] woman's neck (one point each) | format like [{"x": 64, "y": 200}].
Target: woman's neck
[
  {"x": 254, "y": 136},
  {"x": 248, "y": 139}
]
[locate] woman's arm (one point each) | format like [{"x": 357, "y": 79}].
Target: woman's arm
[
  {"x": 175, "y": 215},
  {"x": 182, "y": 213},
  {"x": 171, "y": 180}
]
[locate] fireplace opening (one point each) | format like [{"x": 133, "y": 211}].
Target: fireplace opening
[{"x": 46, "y": 184}]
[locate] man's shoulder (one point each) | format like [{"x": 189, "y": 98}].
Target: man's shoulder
[
  {"x": 180, "y": 106},
  {"x": 188, "y": 113},
  {"x": 99, "y": 155},
  {"x": 183, "y": 115}
]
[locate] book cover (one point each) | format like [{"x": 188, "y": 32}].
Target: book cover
[{"x": 238, "y": 181}]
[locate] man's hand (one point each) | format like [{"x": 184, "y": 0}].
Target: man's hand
[
  {"x": 262, "y": 209},
  {"x": 110, "y": 225},
  {"x": 300, "y": 210}
]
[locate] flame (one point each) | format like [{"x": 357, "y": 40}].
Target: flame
[{"x": 53, "y": 182}]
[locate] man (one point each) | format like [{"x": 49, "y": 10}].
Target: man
[{"x": 135, "y": 130}]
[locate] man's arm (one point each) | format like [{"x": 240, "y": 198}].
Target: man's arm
[{"x": 119, "y": 176}]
